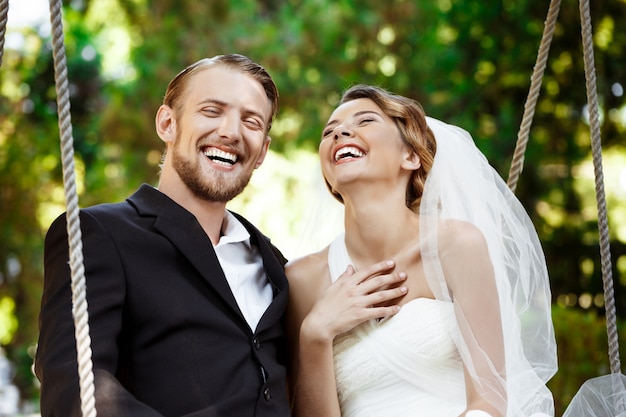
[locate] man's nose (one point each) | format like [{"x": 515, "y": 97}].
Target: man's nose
[{"x": 230, "y": 127}]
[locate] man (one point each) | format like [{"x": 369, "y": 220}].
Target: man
[{"x": 185, "y": 298}]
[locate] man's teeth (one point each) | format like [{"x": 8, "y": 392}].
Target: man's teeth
[
  {"x": 347, "y": 152},
  {"x": 220, "y": 156}
]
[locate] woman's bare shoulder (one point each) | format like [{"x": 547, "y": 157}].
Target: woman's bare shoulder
[
  {"x": 459, "y": 235},
  {"x": 307, "y": 267},
  {"x": 308, "y": 277},
  {"x": 464, "y": 255}
]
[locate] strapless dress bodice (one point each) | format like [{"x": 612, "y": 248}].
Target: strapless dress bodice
[{"x": 405, "y": 365}]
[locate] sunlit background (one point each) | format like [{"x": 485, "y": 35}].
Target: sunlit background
[{"x": 468, "y": 63}]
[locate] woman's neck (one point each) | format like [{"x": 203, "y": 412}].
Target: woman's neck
[{"x": 378, "y": 229}]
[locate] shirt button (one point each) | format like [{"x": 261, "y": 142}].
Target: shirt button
[
  {"x": 267, "y": 394},
  {"x": 256, "y": 343}
]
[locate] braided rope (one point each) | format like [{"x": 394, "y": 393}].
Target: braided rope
[
  {"x": 533, "y": 94},
  {"x": 4, "y": 11},
  {"x": 618, "y": 395},
  {"x": 605, "y": 252},
  {"x": 79, "y": 292}
]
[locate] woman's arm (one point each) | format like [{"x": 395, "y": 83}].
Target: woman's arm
[
  {"x": 307, "y": 280},
  {"x": 470, "y": 276}
]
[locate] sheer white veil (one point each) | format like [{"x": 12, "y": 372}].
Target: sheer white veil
[
  {"x": 603, "y": 396},
  {"x": 463, "y": 186}
]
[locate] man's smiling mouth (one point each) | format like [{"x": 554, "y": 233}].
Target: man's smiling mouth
[{"x": 219, "y": 156}]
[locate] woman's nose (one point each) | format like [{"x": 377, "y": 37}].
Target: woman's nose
[{"x": 343, "y": 132}]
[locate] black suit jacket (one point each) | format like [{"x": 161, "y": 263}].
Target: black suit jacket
[{"x": 167, "y": 336}]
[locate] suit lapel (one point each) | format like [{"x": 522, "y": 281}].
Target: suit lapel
[
  {"x": 182, "y": 229},
  {"x": 274, "y": 269}
]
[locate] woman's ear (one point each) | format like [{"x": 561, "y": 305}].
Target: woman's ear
[
  {"x": 410, "y": 160},
  {"x": 166, "y": 124}
]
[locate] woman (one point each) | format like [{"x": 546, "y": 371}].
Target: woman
[{"x": 458, "y": 323}]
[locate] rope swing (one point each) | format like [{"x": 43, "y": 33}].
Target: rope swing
[
  {"x": 4, "y": 10},
  {"x": 604, "y": 396},
  {"x": 79, "y": 290},
  {"x": 607, "y": 393}
]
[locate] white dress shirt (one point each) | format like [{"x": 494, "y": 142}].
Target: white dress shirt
[{"x": 243, "y": 267}]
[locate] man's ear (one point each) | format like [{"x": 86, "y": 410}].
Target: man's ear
[
  {"x": 410, "y": 160},
  {"x": 263, "y": 153},
  {"x": 166, "y": 124}
]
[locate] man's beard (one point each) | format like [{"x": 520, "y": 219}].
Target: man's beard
[{"x": 219, "y": 187}]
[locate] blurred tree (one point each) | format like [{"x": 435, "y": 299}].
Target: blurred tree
[
  {"x": 468, "y": 63},
  {"x": 30, "y": 174}
]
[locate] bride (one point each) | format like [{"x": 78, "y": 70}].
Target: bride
[{"x": 435, "y": 300}]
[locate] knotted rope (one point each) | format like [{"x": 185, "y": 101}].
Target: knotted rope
[
  {"x": 596, "y": 147},
  {"x": 79, "y": 291},
  {"x": 533, "y": 94},
  {"x": 4, "y": 11}
]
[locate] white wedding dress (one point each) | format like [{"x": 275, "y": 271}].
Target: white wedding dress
[{"x": 403, "y": 366}]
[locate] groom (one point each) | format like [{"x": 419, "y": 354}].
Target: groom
[{"x": 185, "y": 297}]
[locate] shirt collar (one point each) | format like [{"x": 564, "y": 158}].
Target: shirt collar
[{"x": 233, "y": 231}]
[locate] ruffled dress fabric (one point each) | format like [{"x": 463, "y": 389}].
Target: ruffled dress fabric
[{"x": 406, "y": 365}]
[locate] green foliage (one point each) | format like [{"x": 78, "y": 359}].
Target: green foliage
[
  {"x": 8, "y": 322},
  {"x": 30, "y": 173},
  {"x": 468, "y": 63}
]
